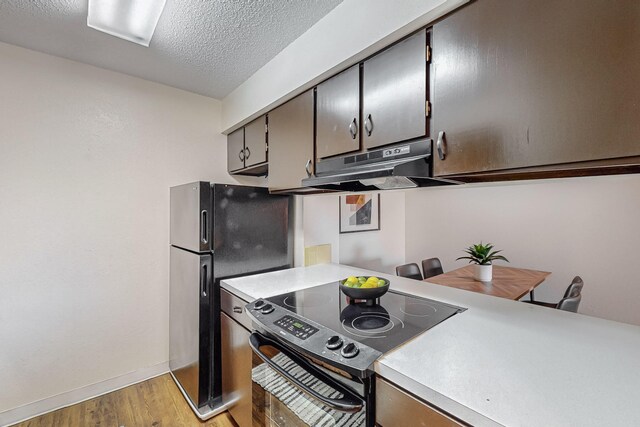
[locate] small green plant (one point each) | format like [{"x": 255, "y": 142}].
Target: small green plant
[{"x": 482, "y": 254}]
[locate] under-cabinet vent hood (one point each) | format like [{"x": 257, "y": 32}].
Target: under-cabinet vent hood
[{"x": 396, "y": 167}]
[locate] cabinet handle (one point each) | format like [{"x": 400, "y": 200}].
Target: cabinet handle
[
  {"x": 247, "y": 153},
  {"x": 353, "y": 128},
  {"x": 441, "y": 145},
  {"x": 308, "y": 168},
  {"x": 368, "y": 125},
  {"x": 237, "y": 309},
  {"x": 241, "y": 155}
]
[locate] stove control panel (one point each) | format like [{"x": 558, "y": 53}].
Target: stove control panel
[
  {"x": 312, "y": 339},
  {"x": 296, "y": 327}
]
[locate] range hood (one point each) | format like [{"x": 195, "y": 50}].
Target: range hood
[{"x": 391, "y": 168}]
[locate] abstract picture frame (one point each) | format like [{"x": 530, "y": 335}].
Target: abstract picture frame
[{"x": 359, "y": 212}]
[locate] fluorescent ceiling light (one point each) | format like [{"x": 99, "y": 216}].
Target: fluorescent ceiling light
[{"x": 133, "y": 20}]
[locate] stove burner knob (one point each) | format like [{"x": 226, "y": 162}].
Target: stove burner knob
[
  {"x": 334, "y": 343},
  {"x": 350, "y": 350},
  {"x": 266, "y": 309},
  {"x": 258, "y": 304}
]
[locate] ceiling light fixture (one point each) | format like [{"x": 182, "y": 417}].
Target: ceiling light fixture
[{"x": 133, "y": 20}]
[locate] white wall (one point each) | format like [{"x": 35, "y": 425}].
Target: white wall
[
  {"x": 576, "y": 226},
  {"x": 87, "y": 157},
  {"x": 349, "y": 33},
  {"x": 320, "y": 223},
  {"x": 379, "y": 250}
]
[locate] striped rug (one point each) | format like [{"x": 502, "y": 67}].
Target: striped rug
[{"x": 310, "y": 411}]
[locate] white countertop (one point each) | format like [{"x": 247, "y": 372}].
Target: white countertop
[
  {"x": 265, "y": 285},
  {"x": 500, "y": 361}
]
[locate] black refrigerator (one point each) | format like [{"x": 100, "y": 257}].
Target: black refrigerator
[{"x": 217, "y": 231}]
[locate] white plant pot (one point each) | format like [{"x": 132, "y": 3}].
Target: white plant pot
[{"x": 483, "y": 273}]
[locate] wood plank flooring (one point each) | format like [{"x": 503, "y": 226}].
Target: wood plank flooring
[{"x": 155, "y": 402}]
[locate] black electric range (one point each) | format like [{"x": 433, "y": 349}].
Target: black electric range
[
  {"x": 347, "y": 333},
  {"x": 389, "y": 322},
  {"x": 323, "y": 332}
]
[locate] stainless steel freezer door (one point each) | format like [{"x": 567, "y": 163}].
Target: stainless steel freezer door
[
  {"x": 190, "y": 224},
  {"x": 190, "y": 279}
]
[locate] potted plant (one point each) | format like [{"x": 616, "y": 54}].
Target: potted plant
[{"x": 482, "y": 256}]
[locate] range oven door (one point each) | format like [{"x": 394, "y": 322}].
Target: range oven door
[{"x": 289, "y": 390}]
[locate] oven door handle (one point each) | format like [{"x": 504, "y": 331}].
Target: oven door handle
[{"x": 350, "y": 402}]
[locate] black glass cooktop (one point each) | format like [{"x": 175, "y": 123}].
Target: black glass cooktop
[{"x": 392, "y": 320}]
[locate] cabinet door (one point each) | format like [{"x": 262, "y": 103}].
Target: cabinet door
[
  {"x": 394, "y": 407},
  {"x": 255, "y": 142},
  {"x": 236, "y": 370},
  {"x": 338, "y": 113},
  {"x": 291, "y": 142},
  {"x": 235, "y": 150},
  {"x": 526, "y": 84},
  {"x": 394, "y": 93}
]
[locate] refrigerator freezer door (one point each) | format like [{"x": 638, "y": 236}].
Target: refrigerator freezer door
[
  {"x": 252, "y": 231},
  {"x": 189, "y": 344},
  {"x": 190, "y": 226}
]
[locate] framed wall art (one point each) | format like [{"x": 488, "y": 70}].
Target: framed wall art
[{"x": 359, "y": 212}]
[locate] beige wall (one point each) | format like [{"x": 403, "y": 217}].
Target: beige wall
[
  {"x": 86, "y": 160},
  {"x": 320, "y": 223},
  {"x": 379, "y": 250},
  {"x": 576, "y": 226}
]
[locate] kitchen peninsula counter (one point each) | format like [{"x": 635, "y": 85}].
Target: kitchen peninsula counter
[{"x": 499, "y": 362}]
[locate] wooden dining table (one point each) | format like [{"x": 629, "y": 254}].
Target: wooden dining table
[{"x": 508, "y": 282}]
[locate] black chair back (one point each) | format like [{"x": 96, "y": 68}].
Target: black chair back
[
  {"x": 410, "y": 271},
  {"x": 570, "y": 304},
  {"x": 575, "y": 288},
  {"x": 572, "y": 296},
  {"x": 431, "y": 267}
]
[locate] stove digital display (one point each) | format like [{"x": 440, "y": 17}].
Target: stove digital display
[{"x": 296, "y": 327}]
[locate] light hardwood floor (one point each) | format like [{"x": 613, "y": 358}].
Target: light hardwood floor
[{"x": 155, "y": 402}]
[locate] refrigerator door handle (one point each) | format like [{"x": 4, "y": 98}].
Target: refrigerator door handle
[
  {"x": 204, "y": 280},
  {"x": 204, "y": 227}
]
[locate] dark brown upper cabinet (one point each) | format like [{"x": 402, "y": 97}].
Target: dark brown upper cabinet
[
  {"x": 235, "y": 150},
  {"x": 338, "y": 114},
  {"x": 535, "y": 85},
  {"x": 394, "y": 93},
  {"x": 247, "y": 149},
  {"x": 255, "y": 142},
  {"x": 384, "y": 106},
  {"x": 291, "y": 143}
]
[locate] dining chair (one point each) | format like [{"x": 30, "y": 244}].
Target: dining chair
[
  {"x": 570, "y": 300},
  {"x": 410, "y": 271},
  {"x": 431, "y": 267},
  {"x": 576, "y": 283}
]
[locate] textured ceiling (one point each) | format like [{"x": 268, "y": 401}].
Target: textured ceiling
[{"x": 204, "y": 46}]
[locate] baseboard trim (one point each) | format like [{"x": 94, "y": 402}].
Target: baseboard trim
[{"x": 30, "y": 410}]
